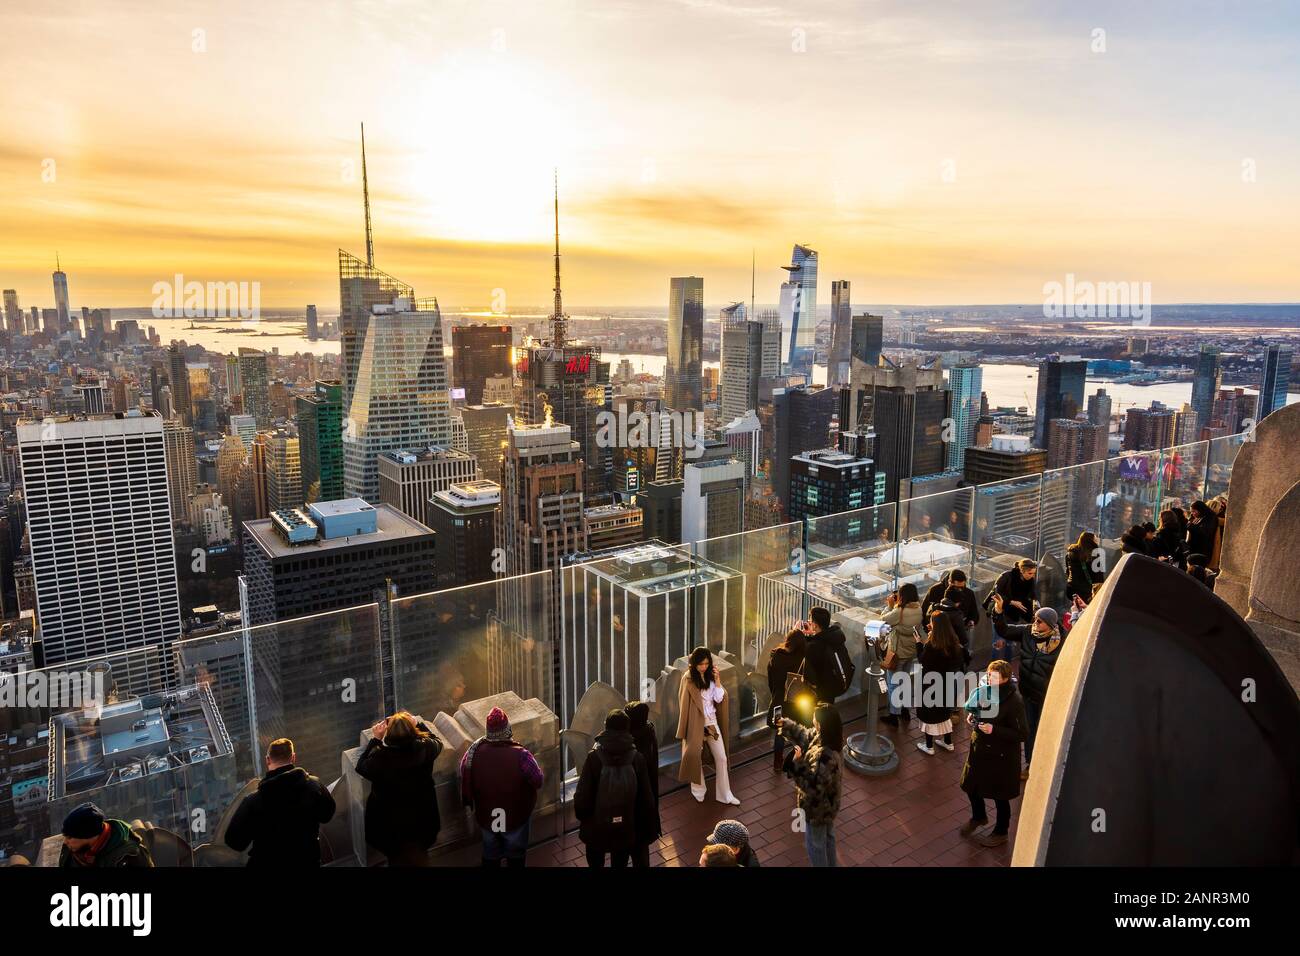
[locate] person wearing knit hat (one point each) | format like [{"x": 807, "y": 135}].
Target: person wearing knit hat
[
  {"x": 498, "y": 725},
  {"x": 734, "y": 835},
  {"x": 1040, "y": 646},
  {"x": 91, "y": 840},
  {"x": 499, "y": 779}
]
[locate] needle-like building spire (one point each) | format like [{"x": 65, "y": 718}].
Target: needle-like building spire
[{"x": 559, "y": 321}]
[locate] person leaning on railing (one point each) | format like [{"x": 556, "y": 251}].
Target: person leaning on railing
[
  {"x": 1081, "y": 576},
  {"x": 92, "y": 840},
  {"x": 402, "y": 820},
  {"x": 281, "y": 820}
]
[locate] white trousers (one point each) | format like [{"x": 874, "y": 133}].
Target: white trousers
[{"x": 723, "y": 784}]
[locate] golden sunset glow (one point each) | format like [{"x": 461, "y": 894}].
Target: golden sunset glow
[{"x": 932, "y": 153}]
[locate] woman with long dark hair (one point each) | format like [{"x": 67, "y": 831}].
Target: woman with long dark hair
[
  {"x": 402, "y": 819},
  {"x": 1169, "y": 545},
  {"x": 1219, "y": 505},
  {"x": 1082, "y": 574},
  {"x": 703, "y": 722},
  {"x": 817, "y": 768},
  {"x": 1202, "y": 530},
  {"x": 942, "y": 664},
  {"x": 787, "y": 658}
]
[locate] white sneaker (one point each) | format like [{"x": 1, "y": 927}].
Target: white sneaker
[
  {"x": 920, "y": 745},
  {"x": 946, "y": 746}
]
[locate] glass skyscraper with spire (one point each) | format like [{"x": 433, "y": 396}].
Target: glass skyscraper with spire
[{"x": 798, "y": 308}]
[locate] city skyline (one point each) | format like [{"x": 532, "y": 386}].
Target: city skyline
[{"x": 923, "y": 200}]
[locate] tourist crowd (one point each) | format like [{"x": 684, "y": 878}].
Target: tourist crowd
[{"x": 926, "y": 643}]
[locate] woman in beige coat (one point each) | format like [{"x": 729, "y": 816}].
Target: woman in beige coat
[{"x": 703, "y": 721}]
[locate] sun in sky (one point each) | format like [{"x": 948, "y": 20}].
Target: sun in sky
[{"x": 936, "y": 153}]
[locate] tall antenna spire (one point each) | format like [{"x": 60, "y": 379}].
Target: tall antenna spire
[
  {"x": 365, "y": 192},
  {"x": 558, "y": 318},
  {"x": 752, "y": 273}
]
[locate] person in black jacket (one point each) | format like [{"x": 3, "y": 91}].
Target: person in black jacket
[
  {"x": 1084, "y": 566},
  {"x": 402, "y": 819},
  {"x": 614, "y": 802},
  {"x": 787, "y": 658},
  {"x": 646, "y": 741},
  {"x": 1197, "y": 567},
  {"x": 92, "y": 840},
  {"x": 1202, "y": 529},
  {"x": 1018, "y": 589},
  {"x": 951, "y": 606},
  {"x": 1040, "y": 646},
  {"x": 970, "y": 605},
  {"x": 821, "y": 663},
  {"x": 282, "y": 819},
  {"x": 1169, "y": 544},
  {"x": 1134, "y": 541},
  {"x": 996, "y": 714}
]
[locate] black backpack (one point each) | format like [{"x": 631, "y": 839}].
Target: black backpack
[
  {"x": 616, "y": 802},
  {"x": 841, "y": 671}
]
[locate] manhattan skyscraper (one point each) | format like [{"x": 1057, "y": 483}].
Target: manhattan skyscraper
[
  {"x": 837, "y": 359},
  {"x": 400, "y": 400},
  {"x": 1060, "y": 393},
  {"x": 798, "y": 309},
  {"x": 394, "y": 370},
  {"x": 1275, "y": 380},
  {"x": 965, "y": 382},
  {"x": 682, "y": 383},
  {"x": 100, "y": 523},
  {"x": 565, "y": 381},
  {"x": 1205, "y": 384},
  {"x": 61, "y": 296}
]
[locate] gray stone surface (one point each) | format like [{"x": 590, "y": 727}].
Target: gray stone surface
[
  {"x": 1146, "y": 722},
  {"x": 1264, "y": 471},
  {"x": 1274, "y": 613},
  {"x": 589, "y": 719}
]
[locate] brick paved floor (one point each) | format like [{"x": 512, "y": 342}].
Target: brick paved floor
[{"x": 909, "y": 818}]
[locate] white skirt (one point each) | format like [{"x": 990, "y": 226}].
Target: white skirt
[{"x": 937, "y": 730}]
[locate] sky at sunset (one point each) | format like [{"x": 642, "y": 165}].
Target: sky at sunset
[{"x": 933, "y": 152}]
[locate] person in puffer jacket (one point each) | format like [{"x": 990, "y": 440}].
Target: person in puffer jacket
[
  {"x": 1040, "y": 646},
  {"x": 817, "y": 769}
]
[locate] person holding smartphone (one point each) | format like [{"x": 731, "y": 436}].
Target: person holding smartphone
[
  {"x": 903, "y": 615},
  {"x": 703, "y": 722},
  {"x": 786, "y": 659},
  {"x": 996, "y": 714},
  {"x": 816, "y": 766},
  {"x": 1040, "y": 646},
  {"x": 402, "y": 819}
]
